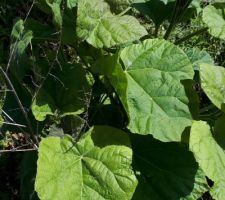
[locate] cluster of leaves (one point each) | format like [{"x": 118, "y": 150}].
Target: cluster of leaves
[{"x": 111, "y": 101}]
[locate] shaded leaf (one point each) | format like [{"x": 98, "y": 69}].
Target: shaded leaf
[
  {"x": 157, "y": 10},
  {"x": 167, "y": 171},
  {"x": 219, "y": 133},
  {"x": 63, "y": 93},
  {"x": 27, "y": 175}
]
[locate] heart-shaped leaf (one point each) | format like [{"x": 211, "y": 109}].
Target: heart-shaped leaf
[
  {"x": 147, "y": 78},
  {"x": 97, "y": 25},
  {"x": 96, "y": 167}
]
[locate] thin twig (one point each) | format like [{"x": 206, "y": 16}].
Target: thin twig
[
  {"x": 20, "y": 104},
  {"x": 14, "y": 124},
  {"x": 18, "y": 150}
]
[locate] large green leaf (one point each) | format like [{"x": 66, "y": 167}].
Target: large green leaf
[
  {"x": 97, "y": 25},
  {"x": 167, "y": 171},
  {"x": 63, "y": 93},
  {"x": 150, "y": 87},
  {"x": 214, "y": 19},
  {"x": 96, "y": 167},
  {"x": 213, "y": 83},
  {"x": 210, "y": 156}
]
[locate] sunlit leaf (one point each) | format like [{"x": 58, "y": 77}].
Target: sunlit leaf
[
  {"x": 210, "y": 156},
  {"x": 147, "y": 78},
  {"x": 96, "y": 167},
  {"x": 214, "y": 19},
  {"x": 213, "y": 83},
  {"x": 97, "y": 25}
]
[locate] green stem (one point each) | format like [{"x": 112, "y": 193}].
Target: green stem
[
  {"x": 124, "y": 12},
  {"x": 156, "y": 31},
  {"x": 178, "y": 13},
  {"x": 172, "y": 22},
  {"x": 187, "y": 37}
]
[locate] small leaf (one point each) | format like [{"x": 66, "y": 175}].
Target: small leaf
[
  {"x": 210, "y": 156},
  {"x": 43, "y": 105},
  {"x": 213, "y": 83},
  {"x": 97, "y": 25},
  {"x": 20, "y": 39},
  {"x": 96, "y": 167}
]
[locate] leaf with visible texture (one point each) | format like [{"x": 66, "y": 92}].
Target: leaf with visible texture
[
  {"x": 167, "y": 171},
  {"x": 150, "y": 89},
  {"x": 97, "y": 25},
  {"x": 210, "y": 156},
  {"x": 96, "y": 167},
  {"x": 214, "y": 19},
  {"x": 198, "y": 56},
  {"x": 213, "y": 84}
]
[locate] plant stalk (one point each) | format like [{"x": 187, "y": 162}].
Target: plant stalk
[
  {"x": 178, "y": 13},
  {"x": 187, "y": 37}
]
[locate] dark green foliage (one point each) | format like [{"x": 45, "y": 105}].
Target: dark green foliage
[{"x": 111, "y": 99}]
